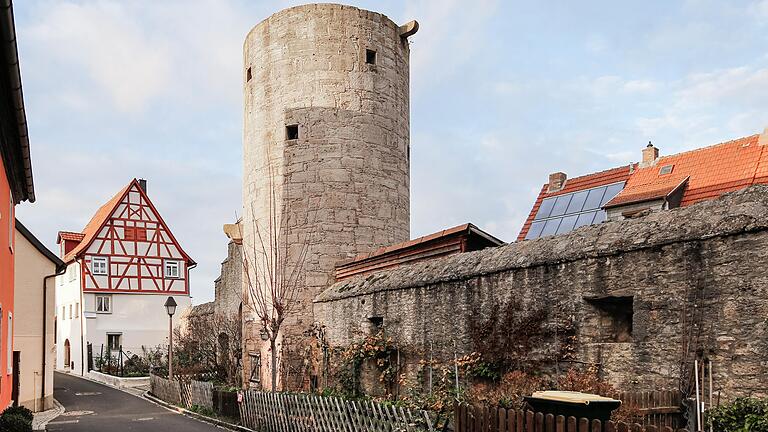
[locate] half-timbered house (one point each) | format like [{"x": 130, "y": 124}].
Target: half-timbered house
[{"x": 120, "y": 270}]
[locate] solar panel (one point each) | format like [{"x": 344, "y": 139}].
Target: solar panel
[
  {"x": 594, "y": 198},
  {"x": 550, "y": 228},
  {"x": 545, "y": 208},
  {"x": 564, "y": 213},
  {"x": 610, "y": 192},
  {"x": 577, "y": 202},
  {"x": 567, "y": 224},
  {"x": 561, "y": 205},
  {"x": 535, "y": 230}
]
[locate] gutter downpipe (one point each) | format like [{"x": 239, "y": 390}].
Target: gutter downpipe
[{"x": 59, "y": 271}]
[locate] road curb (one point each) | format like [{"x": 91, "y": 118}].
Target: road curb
[
  {"x": 220, "y": 423},
  {"x": 57, "y": 410}
]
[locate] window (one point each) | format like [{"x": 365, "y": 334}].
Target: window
[
  {"x": 129, "y": 233},
  {"x": 141, "y": 234},
  {"x": 9, "y": 346},
  {"x": 370, "y": 57},
  {"x": 248, "y": 74},
  {"x": 255, "y": 367},
  {"x": 99, "y": 265},
  {"x": 63, "y": 312},
  {"x": 77, "y": 310},
  {"x": 292, "y": 132},
  {"x": 114, "y": 341},
  {"x": 666, "y": 169},
  {"x": 172, "y": 269},
  {"x": 70, "y": 311},
  {"x": 104, "y": 303},
  {"x": 564, "y": 213}
]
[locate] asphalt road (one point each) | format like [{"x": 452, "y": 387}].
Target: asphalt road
[{"x": 95, "y": 407}]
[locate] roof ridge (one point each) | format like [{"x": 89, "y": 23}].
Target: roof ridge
[
  {"x": 723, "y": 143},
  {"x": 625, "y": 166}
]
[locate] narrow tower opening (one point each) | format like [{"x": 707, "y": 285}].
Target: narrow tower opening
[
  {"x": 248, "y": 74},
  {"x": 370, "y": 56},
  {"x": 292, "y": 132}
]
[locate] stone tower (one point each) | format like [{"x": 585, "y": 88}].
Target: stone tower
[{"x": 326, "y": 150}]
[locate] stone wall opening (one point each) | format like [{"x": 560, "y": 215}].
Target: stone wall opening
[
  {"x": 292, "y": 132},
  {"x": 615, "y": 317},
  {"x": 370, "y": 56}
]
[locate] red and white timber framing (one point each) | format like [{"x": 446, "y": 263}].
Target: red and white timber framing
[{"x": 137, "y": 245}]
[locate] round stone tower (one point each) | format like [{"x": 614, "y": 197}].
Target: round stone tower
[{"x": 325, "y": 146}]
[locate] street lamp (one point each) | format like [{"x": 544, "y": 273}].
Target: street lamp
[{"x": 170, "y": 307}]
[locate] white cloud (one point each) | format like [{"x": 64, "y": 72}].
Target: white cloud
[{"x": 103, "y": 39}]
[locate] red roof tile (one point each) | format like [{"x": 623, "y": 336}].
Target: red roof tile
[
  {"x": 589, "y": 181},
  {"x": 704, "y": 173},
  {"x": 103, "y": 214},
  {"x": 711, "y": 171},
  {"x": 68, "y": 235}
]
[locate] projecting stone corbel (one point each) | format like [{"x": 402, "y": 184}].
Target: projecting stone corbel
[{"x": 409, "y": 29}]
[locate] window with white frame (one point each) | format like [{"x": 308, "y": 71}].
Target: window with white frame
[
  {"x": 104, "y": 303},
  {"x": 172, "y": 269},
  {"x": 99, "y": 265}
]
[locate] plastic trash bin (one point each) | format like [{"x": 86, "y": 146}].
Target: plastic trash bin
[{"x": 576, "y": 404}]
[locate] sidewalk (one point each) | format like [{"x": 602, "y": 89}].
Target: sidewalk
[{"x": 41, "y": 419}]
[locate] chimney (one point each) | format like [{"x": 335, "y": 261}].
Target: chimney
[
  {"x": 650, "y": 154},
  {"x": 763, "y": 138},
  {"x": 556, "y": 181},
  {"x": 143, "y": 185}
]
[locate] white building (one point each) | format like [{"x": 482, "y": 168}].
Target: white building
[{"x": 120, "y": 270}]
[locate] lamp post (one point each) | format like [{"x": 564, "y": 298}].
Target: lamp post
[{"x": 170, "y": 307}]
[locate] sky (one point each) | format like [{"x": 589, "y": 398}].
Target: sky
[{"x": 502, "y": 94}]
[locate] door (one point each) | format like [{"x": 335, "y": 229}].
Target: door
[
  {"x": 66, "y": 354},
  {"x": 15, "y": 388}
]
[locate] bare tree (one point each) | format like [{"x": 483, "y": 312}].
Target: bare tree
[
  {"x": 272, "y": 271},
  {"x": 209, "y": 343}
]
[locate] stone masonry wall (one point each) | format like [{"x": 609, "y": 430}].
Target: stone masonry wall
[
  {"x": 342, "y": 185},
  {"x": 228, "y": 286},
  {"x": 696, "y": 277}
]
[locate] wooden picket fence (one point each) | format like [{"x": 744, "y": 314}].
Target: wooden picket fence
[
  {"x": 486, "y": 419},
  {"x": 182, "y": 392},
  {"x": 283, "y": 412},
  {"x": 658, "y": 408}
]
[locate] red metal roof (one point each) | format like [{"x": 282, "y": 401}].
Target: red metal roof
[
  {"x": 462, "y": 238},
  {"x": 704, "y": 173},
  {"x": 588, "y": 181}
]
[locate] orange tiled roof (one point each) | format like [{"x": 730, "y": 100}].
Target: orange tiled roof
[
  {"x": 704, "y": 173},
  {"x": 68, "y": 235},
  {"x": 710, "y": 172},
  {"x": 96, "y": 222},
  {"x": 589, "y": 181}
]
